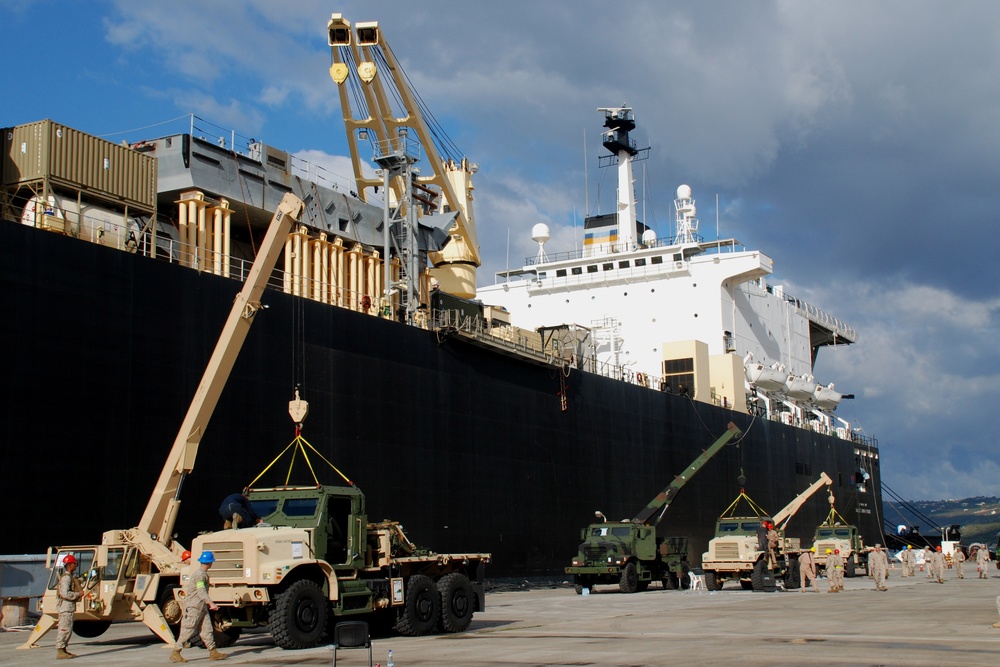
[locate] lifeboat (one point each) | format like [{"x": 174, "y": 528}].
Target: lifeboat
[
  {"x": 766, "y": 378},
  {"x": 800, "y": 388},
  {"x": 827, "y": 398}
]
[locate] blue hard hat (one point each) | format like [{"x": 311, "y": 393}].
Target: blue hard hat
[{"x": 206, "y": 557}]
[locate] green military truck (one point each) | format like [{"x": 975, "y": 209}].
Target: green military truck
[
  {"x": 630, "y": 553},
  {"x": 316, "y": 559},
  {"x": 835, "y": 533}
]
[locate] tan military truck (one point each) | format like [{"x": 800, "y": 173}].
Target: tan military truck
[
  {"x": 316, "y": 559},
  {"x": 736, "y": 552}
]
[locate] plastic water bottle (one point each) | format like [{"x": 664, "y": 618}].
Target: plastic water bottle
[{"x": 389, "y": 662}]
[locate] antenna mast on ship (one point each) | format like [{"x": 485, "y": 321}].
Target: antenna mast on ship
[{"x": 620, "y": 121}]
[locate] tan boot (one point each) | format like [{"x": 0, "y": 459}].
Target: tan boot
[
  {"x": 215, "y": 655},
  {"x": 63, "y": 654},
  {"x": 177, "y": 657}
]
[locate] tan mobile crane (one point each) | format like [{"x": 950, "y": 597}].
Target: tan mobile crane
[
  {"x": 132, "y": 574},
  {"x": 736, "y": 552}
]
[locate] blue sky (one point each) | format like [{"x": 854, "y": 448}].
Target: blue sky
[{"x": 856, "y": 143}]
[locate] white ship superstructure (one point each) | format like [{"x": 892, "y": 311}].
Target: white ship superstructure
[{"x": 681, "y": 314}]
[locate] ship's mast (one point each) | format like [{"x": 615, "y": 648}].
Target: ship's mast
[{"x": 620, "y": 121}]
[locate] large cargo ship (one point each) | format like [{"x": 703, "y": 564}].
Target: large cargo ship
[{"x": 497, "y": 420}]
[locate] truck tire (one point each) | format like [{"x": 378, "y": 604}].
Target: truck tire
[
  {"x": 422, "y": 609},
  {"x": 849, "y": 567},
  {"x": 171, "y": 608},
  {"x": 670, "y": 582},
  {"x": 458, "y": 602},
  {"x": 90, "y": 629},
  {"x": 710, "y": 582},
  {"x": 759, "y": 572},
  {"x": 629, "y": 581},
  {"x": 298, "y": 615},
  {"x": 793, "y": 576}
]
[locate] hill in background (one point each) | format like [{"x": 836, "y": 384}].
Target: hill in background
[{"x": 978, "y": 517}]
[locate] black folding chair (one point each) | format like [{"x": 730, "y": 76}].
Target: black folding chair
[{"x": 352, "y": 634}]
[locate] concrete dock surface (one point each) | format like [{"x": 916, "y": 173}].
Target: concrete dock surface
[{"x": 916, "y": 622}]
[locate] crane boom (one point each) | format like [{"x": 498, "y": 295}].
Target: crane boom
[
  {"x": 161, "y": 513},
  {"x": 666, "y": 496},
  {"x": 782, "y": 518}
]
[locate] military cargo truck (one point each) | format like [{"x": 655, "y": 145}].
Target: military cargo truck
[
  {"x": 630, "y": 553},
  {"x": 835, "y": 533},
  {"x": 737, "y": 552},
  {"x": 316, "y": 559}
]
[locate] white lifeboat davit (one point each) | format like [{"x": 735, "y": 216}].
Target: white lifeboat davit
[
  {"x": 827, "y": 398},
  {"x": 773, "y": 378},
  {"x": 800, "y": 388}
]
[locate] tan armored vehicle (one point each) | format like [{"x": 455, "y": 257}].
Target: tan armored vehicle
[{"x": 737, "y": 551}]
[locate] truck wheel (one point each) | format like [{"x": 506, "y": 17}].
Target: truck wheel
[
  {"x": 670, "y": 582},
  {"x": 849, "y": 567},
  {"x": 422, "y": 609},
  {"x": 793, "y": 577},
  {"x": 711, "y": 583},
  {"x": 629, "y": 581},
  {"x": 457, "y": 602},
  {"x": 759, "y": 572},
  {"x": 171, "y": 608},
  {"x": 298, "y": 615},
  {"x": 90, "y": 629}
]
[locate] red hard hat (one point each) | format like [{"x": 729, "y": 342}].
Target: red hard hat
[
  {"x": 186, "y": 555},
  {"x": 939, "y": 547},
  {"x": 68, "y": 558},
  {"x": 836, "y": 551}
]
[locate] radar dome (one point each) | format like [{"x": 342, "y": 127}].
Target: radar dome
[
  {"x": 684, "y": 192},
  {"x": 649, "y": 237},
  {"x": 540, "y": 233}
]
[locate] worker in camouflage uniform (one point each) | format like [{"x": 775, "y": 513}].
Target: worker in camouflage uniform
[
  {"x": 835, "y": 570},
  {"x": 68, "y": 592},
  {"x": 959, "y": 560},
  {"x": 878, "y": 565},
  {"x": 197, "y": 604},
  {"x": 937, "y": 557},
  {"x": 983, "y": 562},
  {"x": 772, "y": 545},
  {"x": 807, "y": 570},
  {"x": 909, "y": 560}
]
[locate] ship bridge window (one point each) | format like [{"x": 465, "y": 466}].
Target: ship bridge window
[
  {"x": 623, "y": 264},
  {"x": 640, "y": 262},
  {"x": 608, "y": 267},
  {"x": 656, "y": 260},
  {"x": 342, "y": 223},
  {"x": 592, "y": 268},
  {"x": 577, "y": 270},
  {"x": 560, "y": 273},
  {"x": 678, "y": 257}
]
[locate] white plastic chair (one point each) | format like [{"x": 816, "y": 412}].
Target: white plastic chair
[{"x": 697, "y": 581}]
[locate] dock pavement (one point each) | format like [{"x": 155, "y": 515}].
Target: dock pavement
[{"x": 916, "y": 622}]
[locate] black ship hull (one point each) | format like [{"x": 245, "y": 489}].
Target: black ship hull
[{"x": 468, "y": 448}]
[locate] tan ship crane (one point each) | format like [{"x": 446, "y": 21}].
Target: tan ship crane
[
  {"x": 132, "y": 573},
  {"x": 362, "y": 57}
]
